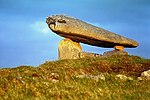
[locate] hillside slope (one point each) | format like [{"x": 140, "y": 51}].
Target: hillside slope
[{"x": 89, "y": 78}]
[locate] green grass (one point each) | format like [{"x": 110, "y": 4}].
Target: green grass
[{"x": 57, "y": 80}]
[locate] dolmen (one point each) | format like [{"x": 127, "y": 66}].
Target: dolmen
[{"x": 76, "y": 31}]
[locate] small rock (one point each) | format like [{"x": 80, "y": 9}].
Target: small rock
[
  {"x": 114, "y": 52},
  {"x": 101, "y": 76},
  {"x": 124, "y": 77},
  {"x": 53, "y": 77},
  {"x": 88, "y": 55},
  {"x": 145, "y": 75},
  {"x": 81, "y": 76},
  {"x": 96, "y": 78},
  {"x": 54, "y": 80},
  {"x": 139, "y": 78}
]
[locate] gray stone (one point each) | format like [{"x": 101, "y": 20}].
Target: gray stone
[
  {"x": 88, "y": 55},
  {"x": 94, "y": 77},
  {"x": 114, "y": 52},
  {"x": 145, "y": 75},
  {"x": 80, "y": 31},
  {"x": 69, "y": 49},
  {"x": 123, "y": 77},
  {"x": 53, "y": 77}
]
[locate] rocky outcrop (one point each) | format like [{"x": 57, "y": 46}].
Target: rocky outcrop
[
  {"x": 69, "y": 49},
  {"x": 77, "y": 31}
]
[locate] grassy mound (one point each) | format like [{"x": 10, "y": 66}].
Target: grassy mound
[{"x": 57, "y": 79}]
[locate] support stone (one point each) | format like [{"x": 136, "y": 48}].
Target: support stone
[
  {"x": 69, "y": 49},
  {"x": 119, "y": 48},
  {"x": 114, "y": 52},
  {"x": 88, "y": 55}
]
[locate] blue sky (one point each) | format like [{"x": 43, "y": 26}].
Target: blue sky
[{"x": 25, "y": 38}]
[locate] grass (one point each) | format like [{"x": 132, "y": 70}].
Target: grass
[{"x": 57, "y": 80}]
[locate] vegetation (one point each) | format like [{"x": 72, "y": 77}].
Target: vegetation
[{"x": 58, "y": 80}]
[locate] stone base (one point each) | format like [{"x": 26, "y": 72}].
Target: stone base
[
  {"x": 69, "y": 49},
  {"x": 88, "y": 55},
  {"x": 114, "y": 52}
]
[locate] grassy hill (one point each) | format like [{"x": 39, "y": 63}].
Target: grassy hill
[{"x": 89, "y": 78}]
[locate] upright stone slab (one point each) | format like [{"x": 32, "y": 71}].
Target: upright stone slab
[{"x": 69, "y": 49}]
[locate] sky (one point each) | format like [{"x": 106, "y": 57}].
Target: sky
[{"x": 25, "y": 38}]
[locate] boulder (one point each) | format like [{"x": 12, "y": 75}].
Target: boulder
[
  {"x": 88, "y": 55},
  {"x": 114, "y": 52},
  {"x": 80, "y": 31},
  {"x": 69, "y": 49},
  {"x": 145, "y": 75}
]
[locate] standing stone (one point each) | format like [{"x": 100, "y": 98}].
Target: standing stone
[{"x": 69, "y": 49}]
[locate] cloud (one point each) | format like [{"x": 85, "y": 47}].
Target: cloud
[{"x": 40, "y": 27}]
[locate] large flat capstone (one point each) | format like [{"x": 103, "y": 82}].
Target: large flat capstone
[{"x": 80, "y": 31}]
